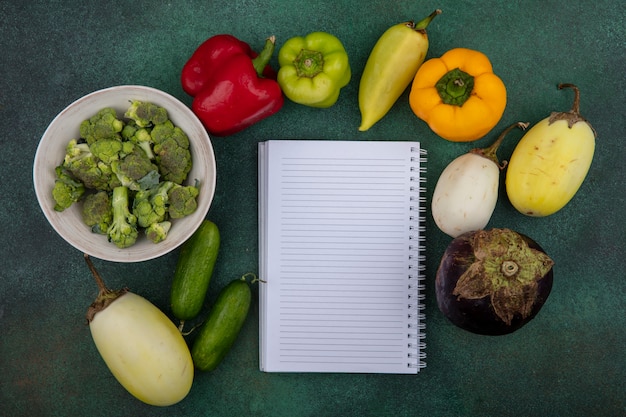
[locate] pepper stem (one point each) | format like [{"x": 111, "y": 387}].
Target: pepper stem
[
  {"x": 309, "y": 63},
  {"x": 105, "y": 295},
  {"x": 455, "y": 87},
  {"x": 422, "y": 24},
  {"x": 490, "y": 151},
  {"x": 261, "y": 61}
]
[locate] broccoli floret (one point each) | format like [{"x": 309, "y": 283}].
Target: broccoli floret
[
  {"x": 142, "y": 138},
  {"x": 75, "y": 150},
  {"x": 157, "y": 232},
  {"x": 132, "y": 168},
  {"x": 123, "y": 231},
  {"x": 150, "y": 206},
  {"x": 171, "y": 147},
  {"x": 102, "y": 125},
  {"x": 66, "y": 190},
  {"x": 129, "y": 130},
  {"x": 146, "y": 114},
  {"x": 109, "y": 150},
  {"x": 182, "y": 200},
  {"x": 98, "y": 212},
  {"x": 107, "y": 172},
  {"x": 86, "y": 168}
]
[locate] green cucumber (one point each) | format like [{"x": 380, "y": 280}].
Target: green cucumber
[
  {"x": 219, "y": 332},
  {"x": 193, "y": 271}
]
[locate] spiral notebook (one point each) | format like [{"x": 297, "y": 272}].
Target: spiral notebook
[{"x": 341, "y": 256}]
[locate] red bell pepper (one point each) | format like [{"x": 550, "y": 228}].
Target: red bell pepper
[{"x": 232, "y": 87}]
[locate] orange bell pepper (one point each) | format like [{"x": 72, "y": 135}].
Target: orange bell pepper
[{"x": 458, "y": 95}]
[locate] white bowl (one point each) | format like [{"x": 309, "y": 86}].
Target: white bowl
[{"x": 69, "y": 223}]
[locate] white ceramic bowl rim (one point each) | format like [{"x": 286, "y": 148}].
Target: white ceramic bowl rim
[{"x": 65, "y": 126}]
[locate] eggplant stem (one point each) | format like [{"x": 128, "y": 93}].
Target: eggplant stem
[
  {"x": 509, "y": 268},
  {"x": 490, "y": 151},
  {"x": 571, "y": 116},
  {"x": 105, "y": 295},
  {"x": 576, "y": 105},
  {"x": 99, "y": 281}
]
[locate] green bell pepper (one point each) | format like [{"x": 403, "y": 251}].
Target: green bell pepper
[{"x": 313, "y": 69}]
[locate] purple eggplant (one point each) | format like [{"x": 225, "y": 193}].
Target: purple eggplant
[{"x": 493, "y": 282}]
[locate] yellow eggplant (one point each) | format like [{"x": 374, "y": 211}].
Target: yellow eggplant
[
  {"x": 390, "y": 68},
  {"x": 551, "y": 161}
]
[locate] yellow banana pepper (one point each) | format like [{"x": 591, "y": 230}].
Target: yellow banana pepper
[
  {"x": 391, "y": 67},
  {"x": 458, "y": 95}
]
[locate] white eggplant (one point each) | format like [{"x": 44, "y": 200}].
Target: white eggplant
[
  {"x": 140, "y": 345},
  {"x": 466, "y": 192}
]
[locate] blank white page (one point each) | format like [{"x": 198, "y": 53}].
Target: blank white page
[{"x": 340, "y": 256}]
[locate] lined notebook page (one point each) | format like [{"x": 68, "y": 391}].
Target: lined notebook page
[{"x": 340, "y": 256}]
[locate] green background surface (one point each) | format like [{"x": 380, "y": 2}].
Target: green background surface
[{"x": 569, "y": 361}]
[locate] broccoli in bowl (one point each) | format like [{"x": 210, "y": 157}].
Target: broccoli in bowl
[{"x": 129, "y": 172}]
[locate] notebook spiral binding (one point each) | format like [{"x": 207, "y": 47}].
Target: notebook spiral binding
[{"x": 415, "y": 314}]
